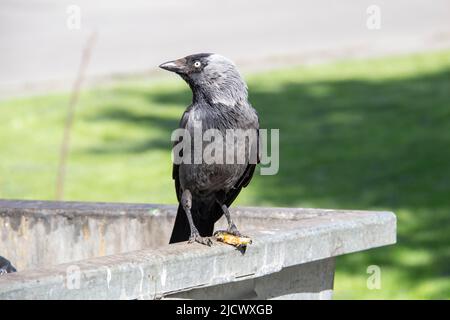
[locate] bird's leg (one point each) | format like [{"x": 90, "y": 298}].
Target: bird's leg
[
  {"x": 186, "y": 202},
  {"x": 231, "y": 226}
]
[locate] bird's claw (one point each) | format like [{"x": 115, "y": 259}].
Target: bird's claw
[
  {"x": 234, "y": 231},
  {"x": 195, "y": 237}
]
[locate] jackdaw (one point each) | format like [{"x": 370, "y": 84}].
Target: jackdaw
[
  {"x": 204, "y": 190},
  {"x": 6, "y": 266}
]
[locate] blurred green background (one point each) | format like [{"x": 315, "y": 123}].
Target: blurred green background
[{"x": 361, "y": 134}]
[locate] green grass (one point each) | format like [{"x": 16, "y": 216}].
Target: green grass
[{"x": 356, "y": 135}]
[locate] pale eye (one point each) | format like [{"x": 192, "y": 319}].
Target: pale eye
[{"x": 197, "y": 64}]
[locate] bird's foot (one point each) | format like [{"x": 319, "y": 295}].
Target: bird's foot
[
  {"x": 234, "y": 231},
  {"x": 195, "y": 237}
]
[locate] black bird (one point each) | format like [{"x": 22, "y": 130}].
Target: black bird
[
  {"x": 205, "y": 191},
  {"x": 6, "y": 266}
]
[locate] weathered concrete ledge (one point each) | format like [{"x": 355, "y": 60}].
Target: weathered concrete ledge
[{"x": 288, "y": 245}]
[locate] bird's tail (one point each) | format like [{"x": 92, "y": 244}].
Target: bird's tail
[{"x": 181, "y": 229}]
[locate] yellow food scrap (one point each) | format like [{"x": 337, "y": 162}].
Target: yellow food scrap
[{"x": 231, "y": 239}]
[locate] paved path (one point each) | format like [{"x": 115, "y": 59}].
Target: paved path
[{"x": 37, "y": 48}]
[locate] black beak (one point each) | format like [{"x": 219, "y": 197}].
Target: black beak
[{"x": 177, "y": 66}]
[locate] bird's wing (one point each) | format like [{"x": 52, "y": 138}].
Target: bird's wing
[
  {"x": 177, "y": 180},
  {"x": 176, "y": 167},
  {"x": 244, "y": 180},
  {"x": 249, "y": 171}
]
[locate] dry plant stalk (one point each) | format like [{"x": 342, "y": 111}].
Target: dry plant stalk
[{"x": 65, "y": 145}]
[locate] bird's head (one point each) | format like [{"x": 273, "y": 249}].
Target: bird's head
[{"x": 211, "y": 77}]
